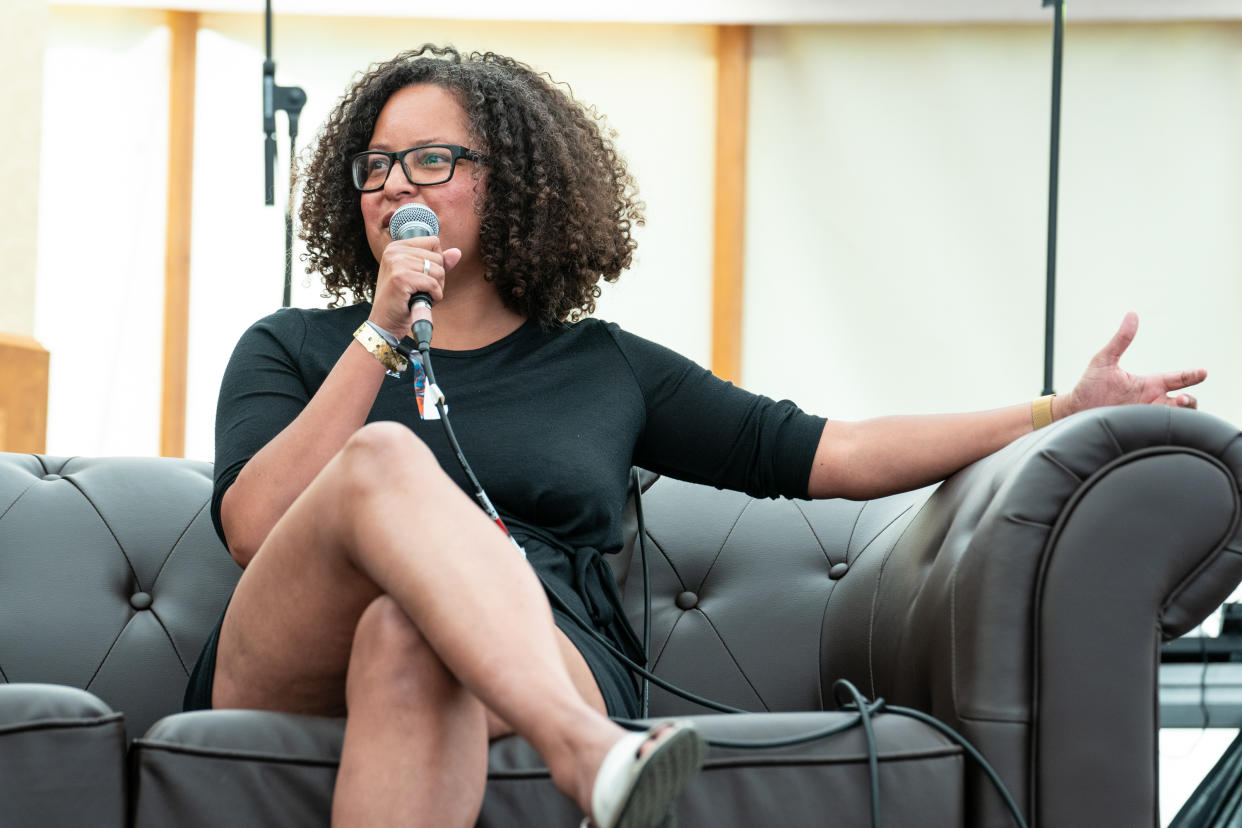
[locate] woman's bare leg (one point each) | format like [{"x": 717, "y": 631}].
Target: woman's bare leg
[
  {"x": 383, "y": 519},
  {"x": 415, "y": 748}
]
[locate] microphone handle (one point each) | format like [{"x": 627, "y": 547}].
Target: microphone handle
[{"x": 422, "y": 319}]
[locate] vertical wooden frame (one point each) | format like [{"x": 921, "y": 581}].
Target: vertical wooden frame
[
  {"x": 732, "y": 107},
  {"x": 183, "y": 27},
  {"x": 23, "y": 394}
]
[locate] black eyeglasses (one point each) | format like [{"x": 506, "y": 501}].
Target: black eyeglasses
[{"x": 423, "y": 166}]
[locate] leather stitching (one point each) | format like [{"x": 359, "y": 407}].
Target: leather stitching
[
  {"x": 1021, "y": 521},
  {"x": 1112, "y": 435},
  {"x": 104, "y": 660},
  {"x": 19, "y": 497},
  {"x": 708, "y": 572},
  {"x": 656, "y": 660},
  {"x": 1052, "y": 458},
  {"x": 171, "y": 643},
  {"x": 1225, "y": 448},
  {"x": 154, "y": 580},
  {"x": 733, "y": 658},
  {"x": 680, "y": 580},
  {"x": 850, "y": 540},
  {"x": 176, "y": 543},
  {"x": 108, "y": 526},
  {"x": 815, "y": 534}
]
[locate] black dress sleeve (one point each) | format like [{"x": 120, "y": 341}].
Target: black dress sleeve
[
  {"x": 706, "y": 430},
  {"x": 263, "y": 390}
]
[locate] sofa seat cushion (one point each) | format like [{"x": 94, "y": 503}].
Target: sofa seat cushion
[{"x": 251, "y": 768}]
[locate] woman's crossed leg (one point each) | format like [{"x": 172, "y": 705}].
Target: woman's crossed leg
[{"x": 386, "y": 595}]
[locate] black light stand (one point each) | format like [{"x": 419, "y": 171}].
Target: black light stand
[
  {"x": 1054, "y": 163},
  {"x": 290, "y": 100}
]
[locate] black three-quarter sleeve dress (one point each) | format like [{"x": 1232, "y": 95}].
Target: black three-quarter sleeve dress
[{"x": 551, "y": 420}]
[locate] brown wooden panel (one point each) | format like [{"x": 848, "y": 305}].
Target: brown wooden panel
[
  {"x": 184, "y": 30},
  {"x": 23, "y": 394},
  {"x": 732, "y": 93}
]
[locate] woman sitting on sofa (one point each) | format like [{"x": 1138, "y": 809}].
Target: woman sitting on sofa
[{"x": 374, "y": 586}]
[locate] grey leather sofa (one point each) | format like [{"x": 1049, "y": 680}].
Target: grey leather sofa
[{"x": 1023, "y": 602}]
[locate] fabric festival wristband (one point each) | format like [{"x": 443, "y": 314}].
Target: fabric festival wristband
[
  {"x": 385, "y": 335},
  {"x": 378, "y": 345},
  {"x": 1041, "y": 412}
]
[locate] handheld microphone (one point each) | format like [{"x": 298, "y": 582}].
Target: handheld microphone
[{"x": 408, "y": 222}]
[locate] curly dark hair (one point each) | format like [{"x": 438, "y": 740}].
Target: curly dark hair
[{"x": 559, "y": 202}]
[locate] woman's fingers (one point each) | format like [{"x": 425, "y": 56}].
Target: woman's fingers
[
  {"x": 1111, "y": 353},
  {"x": 414, "y": 269},
  {"x": 1177, "y": 380},
  {"x": 407, "y": 267}
]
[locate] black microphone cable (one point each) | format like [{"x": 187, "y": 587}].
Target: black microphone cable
[{"x": 637, "y": 485}]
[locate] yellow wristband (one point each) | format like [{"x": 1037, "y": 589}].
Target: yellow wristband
[
  {"x": 380, "y": 349},
  {"x": 1041, "y": 411}
]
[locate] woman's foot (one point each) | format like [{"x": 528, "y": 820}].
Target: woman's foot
[{"x": 642, "y": 774}]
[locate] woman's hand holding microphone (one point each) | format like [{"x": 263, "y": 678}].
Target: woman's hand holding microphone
[{"x": 413, "y": 263}]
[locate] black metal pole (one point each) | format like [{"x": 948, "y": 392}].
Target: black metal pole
[
  {"x": 1054, "y": 163},
  {"x": 290, "y": 100},
  {"x": 288, "y": 294}
]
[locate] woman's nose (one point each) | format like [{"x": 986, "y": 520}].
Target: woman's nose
[{"x": 398, "y": 183}]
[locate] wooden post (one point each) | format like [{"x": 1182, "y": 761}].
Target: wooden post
[
  {"x": 732, "y": 92},
  {"x": 23, "y": 394},
  {"x": 184, "y": 30}
]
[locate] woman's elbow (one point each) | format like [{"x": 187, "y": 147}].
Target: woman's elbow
[
  {"x": 242, "y": 553},
  {"x": 240, "y": 538}
]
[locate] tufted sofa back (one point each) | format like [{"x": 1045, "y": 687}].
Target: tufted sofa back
[
  {"x": 740, "y": 587},
  {"x": 111, "y": 576}
]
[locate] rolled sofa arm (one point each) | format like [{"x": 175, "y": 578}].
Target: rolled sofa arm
[{"x": 1026, "y": 602}]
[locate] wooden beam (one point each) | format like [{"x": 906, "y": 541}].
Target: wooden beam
[
  {"x": 732, "y": 93},
  {"x": 23, "y": 394},
  {"x": 184, "y": 41}
]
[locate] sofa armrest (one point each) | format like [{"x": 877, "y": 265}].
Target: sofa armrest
[
  {"x": 61, "y": 758},
  {"x": 236, "y": 767},
  {"x": 1026, "y": 602}
]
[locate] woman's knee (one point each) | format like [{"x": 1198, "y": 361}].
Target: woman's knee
[
  {"x": 379, "y": 453},
  {"x": 392, "y": 658},
  {"x": 384, "y": 445}
]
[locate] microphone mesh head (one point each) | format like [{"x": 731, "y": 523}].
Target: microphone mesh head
[{"x": 408, "y": 213}]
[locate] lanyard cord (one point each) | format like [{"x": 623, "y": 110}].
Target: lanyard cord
[{"x": 424, "y": 356}]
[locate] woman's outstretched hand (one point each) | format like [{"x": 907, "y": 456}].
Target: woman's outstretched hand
[{"x": 1105, "y": 383}]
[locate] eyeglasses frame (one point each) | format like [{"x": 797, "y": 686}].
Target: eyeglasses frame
[{"x": 397, "y": 159}]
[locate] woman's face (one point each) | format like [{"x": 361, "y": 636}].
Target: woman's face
[{"x": 414, "y": 116}]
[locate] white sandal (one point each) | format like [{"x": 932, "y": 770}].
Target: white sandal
[{"x": 633, "y": 791}]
